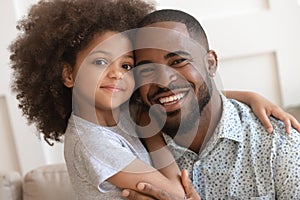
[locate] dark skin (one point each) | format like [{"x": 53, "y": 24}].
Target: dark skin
[
  {"x": 188, "y": 81},
  {"x": 150, "y": 192}
]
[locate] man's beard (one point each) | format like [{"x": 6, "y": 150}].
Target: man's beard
[{"x": 185, "y": 124}]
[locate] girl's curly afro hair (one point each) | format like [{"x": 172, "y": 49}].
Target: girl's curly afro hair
[{"x": 52, "y": 33}]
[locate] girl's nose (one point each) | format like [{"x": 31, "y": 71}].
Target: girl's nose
[{"x": 115, "y": 72}]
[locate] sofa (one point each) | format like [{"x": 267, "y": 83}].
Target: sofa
[{"x": 49, "y": 182}]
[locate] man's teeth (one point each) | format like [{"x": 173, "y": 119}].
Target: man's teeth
[{"x": 169, "y": 99}]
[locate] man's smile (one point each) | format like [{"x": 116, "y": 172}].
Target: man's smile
[
  {"x": 171, "y": 100},
  {"x": 168, "y": 100}
]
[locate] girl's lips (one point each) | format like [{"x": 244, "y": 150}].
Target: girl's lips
[{"x": 113, "y": 88}]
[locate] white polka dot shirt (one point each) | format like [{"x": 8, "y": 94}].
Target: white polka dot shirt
[{"x": 242, "y": 161}]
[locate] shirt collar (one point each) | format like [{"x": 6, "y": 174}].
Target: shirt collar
[{"x": 230, "y": 125}]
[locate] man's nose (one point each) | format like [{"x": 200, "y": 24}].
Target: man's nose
[{"x": 166, "y": 75}]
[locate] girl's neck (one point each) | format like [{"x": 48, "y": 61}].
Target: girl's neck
[
  {"x": 108, "y": 117},
  {"x": 101, "y": 117}
]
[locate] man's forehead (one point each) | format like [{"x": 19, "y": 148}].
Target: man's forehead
[
  {"x": 162, "y": 32},
  {"x": 168, "y": 36},
  {"x": 175, "y": 26}
]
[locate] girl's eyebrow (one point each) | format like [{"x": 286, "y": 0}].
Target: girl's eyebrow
[
  {"x": 127, "y": 55},
  {"x": 100, "y": 51}
]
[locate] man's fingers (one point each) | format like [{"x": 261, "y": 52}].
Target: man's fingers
[
  {"x": 134, "y": 195},
  {"x": 190, "y": 191},
  {"x": 187, "y": 183},
  {"x": 153, "y": 191},
  {"x": 146, "y": 191}
]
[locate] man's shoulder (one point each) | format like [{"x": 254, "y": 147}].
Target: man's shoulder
[
  {"x": 252, "y": 123},
  {"x": 280, "y": 132},
  {"x": 239, "y": 106}
]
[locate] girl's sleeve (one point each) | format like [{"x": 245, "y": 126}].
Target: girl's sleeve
[{"x": 102, "y": 155}]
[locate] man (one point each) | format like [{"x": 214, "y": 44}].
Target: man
[{"x": 229, "y": 155}]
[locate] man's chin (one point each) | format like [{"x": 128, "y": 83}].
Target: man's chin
[{"x": 177, "y": 124}]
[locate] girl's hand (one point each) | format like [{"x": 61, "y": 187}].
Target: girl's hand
[{"x": 263, "y": 109}]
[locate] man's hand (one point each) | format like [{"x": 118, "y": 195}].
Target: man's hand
[
  {"x": 188, "y": 186},
  {"x": 146, "y": 191}
]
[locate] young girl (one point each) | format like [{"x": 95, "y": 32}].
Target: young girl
[{"x": 72, "y": 74}]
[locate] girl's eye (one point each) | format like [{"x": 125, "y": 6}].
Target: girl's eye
[
  {"x": 127, "y": 66},
  {"x": 100, "y": 62}
]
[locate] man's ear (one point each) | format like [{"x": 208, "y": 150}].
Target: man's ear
[
  {"x": 212, "y": 60},
  {"x": 67, "y": 75}
]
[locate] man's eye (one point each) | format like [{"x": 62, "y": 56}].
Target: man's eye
[
  {"x": 145, "y": 71},
  {"x": 179, "y": 61},
  {"x": 127, "y": 66},
  {"x": 100, "y": 62}
]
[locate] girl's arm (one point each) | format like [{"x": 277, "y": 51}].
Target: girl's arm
[
  {"x": 138, "y": 171},
  {"x": 150, "y": 134},
  {"x": 165, "y": 174},
  {"x": 263, "y": 109},
  {"x": 162, "y": 158},
  {"x": 148, "y": 191}
]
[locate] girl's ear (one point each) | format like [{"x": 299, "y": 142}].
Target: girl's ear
[
  {"x": 212, "y": 59},
  {"x": 67, "y": 75}
]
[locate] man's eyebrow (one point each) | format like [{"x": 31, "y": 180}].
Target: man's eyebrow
[
  {"x": 169, "y": 55},
  {"x": 176, "y": 53},
  {"x": 143, "y": 62}
]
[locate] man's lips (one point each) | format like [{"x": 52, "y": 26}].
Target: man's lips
[
  {"x": 172, "y": 96},
  {"x": 168, "y": 100}
]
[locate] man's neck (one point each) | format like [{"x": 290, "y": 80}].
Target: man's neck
[{"x": 208, "y": 121}]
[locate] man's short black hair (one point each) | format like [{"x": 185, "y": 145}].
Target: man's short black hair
[{"x": 194, "y": 28}]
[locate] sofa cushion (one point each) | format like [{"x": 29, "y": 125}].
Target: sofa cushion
[
  {"x": 48, "y": 182},
  {"x": 10, "y": 186}
]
